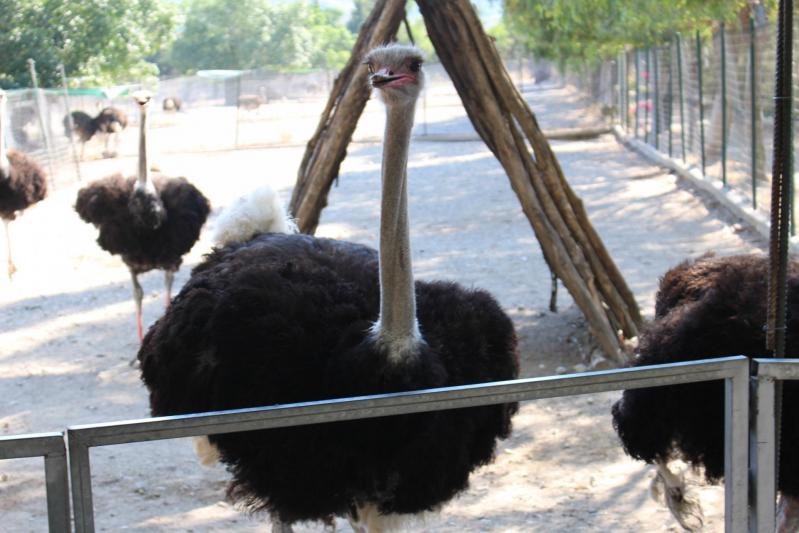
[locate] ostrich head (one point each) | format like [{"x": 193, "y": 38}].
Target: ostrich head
[{"x": 395, "y": 71}]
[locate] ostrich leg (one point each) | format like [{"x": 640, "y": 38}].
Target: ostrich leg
[
  {"x": 169, "y": 277},
  {"x": 11, "y": 267},
  {"x": 138, "y": 294},
  {"x": 278, "y": 526}
]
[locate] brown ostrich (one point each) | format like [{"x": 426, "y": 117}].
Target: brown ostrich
[
  {"x": 150, "y": 222},
  {"x": 22, "y": 183},
  {"x": 109, "y": 123}
]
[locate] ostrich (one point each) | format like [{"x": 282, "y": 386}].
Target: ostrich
[
  {"x": 172, "y": 104},
  {"x": 22, "y": 183},
  {"x": 710, "y": 307},
  {"x": 150, "y": 223},
  {"x": 109, "y": 122},
  {"x": 284, "y": 318}
]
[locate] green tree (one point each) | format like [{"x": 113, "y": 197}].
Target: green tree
[
  {"x": 587, "y": 30},
  {"x": 98, "y": 41},
  {"x": 249, "y": 34}
]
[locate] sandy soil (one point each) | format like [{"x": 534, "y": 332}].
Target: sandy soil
[{"x": 68, "y": 330}]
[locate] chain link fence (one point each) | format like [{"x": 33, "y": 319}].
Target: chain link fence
[{"x": 707, "y": 101}]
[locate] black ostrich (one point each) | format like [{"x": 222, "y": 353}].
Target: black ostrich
[
  {"x": 707, "y": 308},
  {"x": 150, "y": 223},
  {"x": 284, "y": 318},
  {"x": 22, "y": 183},
  {"x": 109, "y": 122},
  {"x": 172, "y": 104}
]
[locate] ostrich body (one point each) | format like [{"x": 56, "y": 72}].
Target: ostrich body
[
  {"x": 22, "y": 183},
  {"x": 109, "y": 122},
  {"x": 150, "y": 223},
  {"x": 283, "y": 318},
  {"x": 707, "y": 308},
  {"x": 172, "y": 104}
]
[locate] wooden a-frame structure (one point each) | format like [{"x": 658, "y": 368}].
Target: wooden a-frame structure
[{"x": 571, "y": 246}]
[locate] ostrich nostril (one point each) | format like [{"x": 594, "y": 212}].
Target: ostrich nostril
[{"x": 390, "y": 72}]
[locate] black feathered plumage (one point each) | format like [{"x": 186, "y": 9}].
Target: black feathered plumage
[
  {"x": 284, "y": 318},
  {"x": 147, "y": 231},
  {"x": 711, "y": 307},
  {"x": 25, "y": 184}
]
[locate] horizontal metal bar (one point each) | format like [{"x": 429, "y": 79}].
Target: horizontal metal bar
[
  {"x": 777, "y": 368},
  {"x": 31, "y": 445},
  {"x": 403, "y": 403}
]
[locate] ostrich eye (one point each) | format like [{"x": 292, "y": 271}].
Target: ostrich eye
[{"x": 415, "y": 65}]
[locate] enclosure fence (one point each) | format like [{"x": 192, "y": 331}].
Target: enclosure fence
[
  {"x": 706, "y": 101},
  {"x": 733, "y": 370}
]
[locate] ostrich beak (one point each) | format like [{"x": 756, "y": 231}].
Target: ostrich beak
[{"x": 382, "y": 77}]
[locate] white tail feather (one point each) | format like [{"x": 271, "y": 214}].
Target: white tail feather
[
  {"x": 207, "y": 453},
  {"x": 260, "y": 211},
  {"x": 671, "y": 488}
]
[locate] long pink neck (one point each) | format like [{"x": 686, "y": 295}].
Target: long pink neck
[{"x": 396, "y": 327}]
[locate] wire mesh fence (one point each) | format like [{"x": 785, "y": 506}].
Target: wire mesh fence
[
  {"x": 707, "y": 101},
  {"x": 215, "y": 110}
]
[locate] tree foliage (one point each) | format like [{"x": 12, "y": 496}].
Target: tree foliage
[
  {"x": 247, "y": 34},
  {"x": 585, "y": 30},
  {"x": 98, "y": 41}
]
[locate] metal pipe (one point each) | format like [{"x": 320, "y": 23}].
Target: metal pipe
[
  {"x": 648, "y": 98},
  {"x": 736, "y": 450},
  {"x": 734, "y": 370},
  {"x": 670, "y": 109},
  {"x": 682, "y": 95},
  {"x": 656, "y": 105},
  {"x": 70, "y": 124},
  {"x": 722, "y": 34},
  {"x": 51, "y": 447},
  {"x": 637, "y": 89},
  {"x": 701, "y": 102},
  {"x": 753, "y": 106}
]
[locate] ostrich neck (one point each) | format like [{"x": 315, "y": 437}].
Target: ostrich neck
[
  {"x": 144, "y": 168},
  {"x": 397, "y": 327}
]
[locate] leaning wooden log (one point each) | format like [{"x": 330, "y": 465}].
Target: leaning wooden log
[
  {"x": 506, "y": 124},
  {"x": 328, "y": 146}
]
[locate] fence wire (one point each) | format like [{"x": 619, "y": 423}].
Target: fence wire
[{"x": 705, "y": 100}]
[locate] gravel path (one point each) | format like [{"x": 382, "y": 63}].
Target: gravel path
[{"x": 68, "y": 331}]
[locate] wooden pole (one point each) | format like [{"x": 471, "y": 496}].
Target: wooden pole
[
  {"x": 502, "y": 118},
  {"x": 328, "y": 146},
  {"x": 571, "y": 246}
]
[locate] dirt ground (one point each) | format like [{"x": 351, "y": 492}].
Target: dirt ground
[{"x": 67, "y": 329}]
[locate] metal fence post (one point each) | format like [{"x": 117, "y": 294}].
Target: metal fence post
[
  {"x": 637, "y": 89},
  {"x": 682, "y": 95},
  {"x": 648, "y": 98},
  {"x": 723, "y": 104},
  {"x": 56, "y": 477},
  {"x": 37, "y": 98},
  {"x": 670, "y": 97},
  {"x": 736, "y": 450},
  {"x": 81, "y": 477},
  {"x": 701, "y": 101},
  {"x": 70, "y": 124},
  {"x": 762, "y": 454},
  {"x": 753, "y": 105},
  {"x": 656, "y": 104}
]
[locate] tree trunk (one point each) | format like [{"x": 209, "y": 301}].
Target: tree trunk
[
  {"x": 328, "y": 146},
  {"x": 502, "y": 118}
]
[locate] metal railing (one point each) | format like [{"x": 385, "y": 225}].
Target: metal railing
[
  {"x": 733, "y": 370},
  {"x": 765, "y": 394},
  {"x": 51, "y": 447}
]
